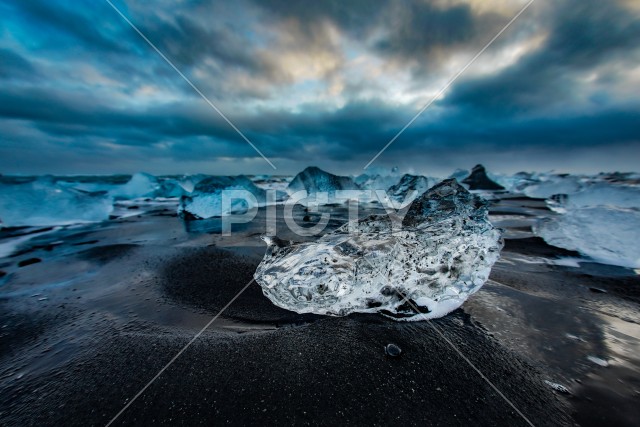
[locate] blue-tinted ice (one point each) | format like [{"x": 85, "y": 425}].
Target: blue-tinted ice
[{"x": 441, "y": 253}]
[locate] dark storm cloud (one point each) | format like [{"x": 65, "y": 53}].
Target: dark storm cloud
[
  {"x": 421, "y": 32},
  {"x": 15, "y": 66},
  {"x": 582, "y": 37},
  {"x": 76, "y": 78},
  {"x": 357, "y": 16},
  {"x": 189, "y": 42}
]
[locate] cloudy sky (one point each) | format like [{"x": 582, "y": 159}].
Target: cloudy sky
[{"x": 327, "y": 83}]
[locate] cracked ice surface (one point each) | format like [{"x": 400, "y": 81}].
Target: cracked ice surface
[{"x": 443, "y": 253}]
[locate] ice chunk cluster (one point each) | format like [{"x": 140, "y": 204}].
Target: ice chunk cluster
[
  {"x": 601, "y": 222},
  {"x": 423, "y": 268},
  {"x": 43, "y": 202},
  {"x": 206, "y": 200}
]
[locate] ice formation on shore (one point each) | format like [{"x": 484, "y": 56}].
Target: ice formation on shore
[
  {"x": 377, "y": 179},
  {"x": 478, "y": 180},
  {"x": 314, "y": 180},
  {"x": 206, "y": 200},
  {"x": 43, "y": 202},
  {"x": 601, "y": 222},
  {"x": 442, "y": 253},
  {"x": 599, "y": 194},
  {"x": 549, "y": 185},
  {"x": 409, "y": 188}
]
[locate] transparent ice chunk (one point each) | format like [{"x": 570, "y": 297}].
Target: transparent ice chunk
[{"x": 423, "y": 268}]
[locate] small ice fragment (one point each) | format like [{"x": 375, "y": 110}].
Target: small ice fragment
[
  {"x": 598, "y": 361},
  {"x": 558, "y": 387},
  {"x": 566, "y": 262},
  {"x": 392, "y": 350},
  {"x": 425, "y": 269}
]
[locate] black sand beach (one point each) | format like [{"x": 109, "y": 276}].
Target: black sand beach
[{"x": 108, "y": 305}]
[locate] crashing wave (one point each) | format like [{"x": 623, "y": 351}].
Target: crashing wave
[
  {"x": 140, "y": 185},
  {"x": 144, "y": 185},
  {"x": 423, "y": 268}
]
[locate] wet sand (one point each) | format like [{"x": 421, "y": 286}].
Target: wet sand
[{"x": 108, "y": 305}]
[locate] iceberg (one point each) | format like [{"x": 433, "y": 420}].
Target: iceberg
[
  {"x": 599, "y": 194},
  {"x": 189, "y": 182},
  {"x": 515, "y": 183},
  {"x": 423, "y": 268},
  {"x": 377, "y": 179},
  {"x": 409, "y": 188},
  {"x": 478, "y": 180},
  {"x": 608, "y": 235},
  {"x": 550, "y": 185},
  {"x": 206, "y": 200},
  {"x": 602, "y": 222},
  {"x": 43, "y": 203},
  {"x": 314, "y": 180}
]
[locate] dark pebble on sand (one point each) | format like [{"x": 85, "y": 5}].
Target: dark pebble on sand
[
  {"x": 29, "y": 261},
  {"x": 392, "y": 350}
]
